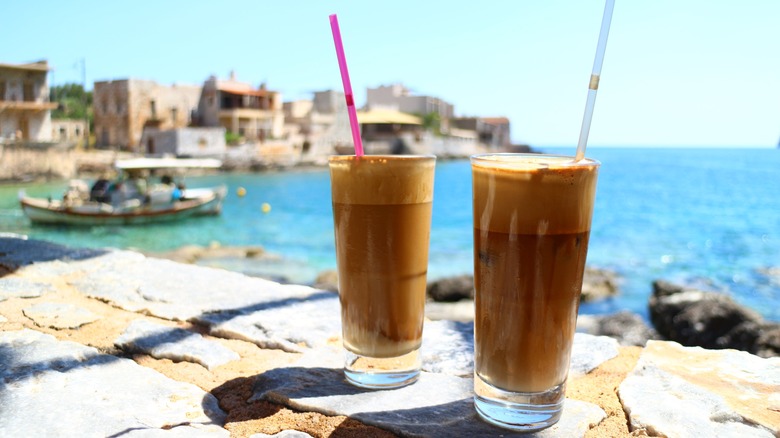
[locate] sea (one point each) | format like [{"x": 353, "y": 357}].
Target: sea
[{"x": 705, "y": 217}]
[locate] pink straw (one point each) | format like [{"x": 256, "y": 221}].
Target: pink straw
[{"x": 353, "y": 121}]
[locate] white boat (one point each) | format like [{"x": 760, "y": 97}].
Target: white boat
[{"x": 131, "y": 199}]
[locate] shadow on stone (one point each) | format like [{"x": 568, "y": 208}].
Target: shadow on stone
[{"x": 16, "y": 252}]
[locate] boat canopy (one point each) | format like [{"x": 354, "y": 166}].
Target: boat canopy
[{"x": 168, "y": 163}]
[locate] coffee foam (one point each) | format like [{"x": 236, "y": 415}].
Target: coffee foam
[
  {"x": 533, "y": 195},
  {"x": 382, "y": 179}
]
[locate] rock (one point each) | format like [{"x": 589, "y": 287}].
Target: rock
[
  {"x": 598, "y": 284},
  {"x": 628, "y": 328},
  {"x": 452, "y": 289},
  {"x": 690, "y": 391},
  {"x": 195, "y": 253},
  {"x": 708, "y": 319},
  {"x": 58, "y": 388},
  {"x": 462, "y": 311},
  {"x": 327, "y": 280},
  {"x": 768, "y": 342},
  {"x": 59, "y": 315},
  {"x": 662, "y": 288},
  {"x": 163, "y": 342}
]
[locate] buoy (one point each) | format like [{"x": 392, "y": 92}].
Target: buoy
[
  {"x": 266, "y": 207},
  {"x": 240, "y": 192}
]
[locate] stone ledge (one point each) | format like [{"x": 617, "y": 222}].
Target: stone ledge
[{"x": 270, "y": 354}]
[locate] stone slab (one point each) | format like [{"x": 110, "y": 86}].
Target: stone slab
[
  {"x": 60, "y": 388},
  {"x": 437, "y": 405},
  {"x": 14, "y": 287},
  {"x": 177, "y": 291},
  {"x": 163, "y": 342},
  {"x": 690, "y": 391},
  {"x": 59, "y": 315}
]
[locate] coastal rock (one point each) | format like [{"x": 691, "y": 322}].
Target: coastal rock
[
  {"x": 598, "y": 284},
  {"x": 462, "y": 311},
  {"x": 626, "y": 327},
  {"x": 59, "y": 315},
  {"x": 690, "y": 391},
  {"x": 47, "y": 383},
  {"x": 435, "y": 406},
  {"x": 327, "y": 280},
  {"x": 710, "y": 320},
  {"x": 196, "y": 253},
  {"x": 163, "y": 342},
  {"x": 452, "y": 289}
]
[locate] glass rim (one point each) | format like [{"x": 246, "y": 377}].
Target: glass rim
[
  {"x": 411, "y": 157},
  {"x": 561, "y": 160}
]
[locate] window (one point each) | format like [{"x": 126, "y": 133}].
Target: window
[
  {"x": 174, "y": 115},
  {"x": 63, "y": 132},
  {"x": 153, "y": 109}
]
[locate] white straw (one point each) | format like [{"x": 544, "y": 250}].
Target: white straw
[{"x": 594, "y": 79}]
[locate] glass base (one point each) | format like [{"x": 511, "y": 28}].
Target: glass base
[
  {"x": 382, "y": 373},
  {"x": 520, "y": 411}
]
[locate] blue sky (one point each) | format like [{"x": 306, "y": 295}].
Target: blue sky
[{"x": 676, "y": 72}]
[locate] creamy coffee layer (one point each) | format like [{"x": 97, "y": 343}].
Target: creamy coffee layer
[
  {"x": 520, "y": 195},
  {"x": 380, "y": 179}
]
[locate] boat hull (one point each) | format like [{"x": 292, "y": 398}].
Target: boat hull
[{"x": 45, "y": 212}]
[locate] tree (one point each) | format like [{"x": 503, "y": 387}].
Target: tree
[
  {"x": 73, "y": 103},
  {"x": 432, "y": 122}
]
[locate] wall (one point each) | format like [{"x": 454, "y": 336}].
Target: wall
[
  {"x": 25, "y": 162},
  {"x": 189, "y": 142}
]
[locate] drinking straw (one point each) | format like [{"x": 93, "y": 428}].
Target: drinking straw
[
  {"x": 353, "y": 121},
  {"x": 594, "y": 79}
]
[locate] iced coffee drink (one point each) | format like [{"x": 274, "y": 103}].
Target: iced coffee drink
[
  {"x": 382, "y": 220},
  {"x": 532, "y": 216}
]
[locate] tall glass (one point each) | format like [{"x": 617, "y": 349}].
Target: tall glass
[
  {"x": 382, "y": 221},
  {"x": 532, "y": 216}
]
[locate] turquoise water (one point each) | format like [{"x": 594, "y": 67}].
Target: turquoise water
[{"x": 707, "y": 216}]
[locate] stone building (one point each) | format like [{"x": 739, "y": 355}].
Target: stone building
[
  {"x": 124, "y": 108},
  {"x": 493, "y": 132},
  {"x": 398, "y": 97},
  {"x": 68, "y": 130},
  {"x": 254, "y": 114},
  {"x": 25, "y": 109},
  {"x": 189, "y": 142},
  {"x": 319, "y": 126}
]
